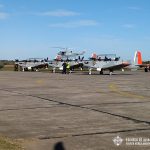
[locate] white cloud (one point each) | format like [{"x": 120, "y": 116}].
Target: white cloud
[
  {"x": 75, "y": 24},
  {"x": 134, "y": 8},
  {"x": 129, "y": 26},
  {"x": 3, "y": 15},
  {"x": 59, "y": 13}
]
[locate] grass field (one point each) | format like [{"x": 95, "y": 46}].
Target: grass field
[
  {"x": 7, "y": 68},
  {"x": 9, "y": 144}
]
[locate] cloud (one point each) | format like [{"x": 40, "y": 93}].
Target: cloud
[
  {"x": 3, "y": 15},
  {"x": 129, "y": 26},
  {"x": 75, "y": 24},
  {"x": 134, "y": 8},
  {"x": 59, "y": 13}
]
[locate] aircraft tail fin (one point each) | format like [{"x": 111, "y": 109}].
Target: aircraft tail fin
[
  {"x": 138, "y": 58},
  {"x": 94, "y": 56},
  {"x": 58, "y": 58}
]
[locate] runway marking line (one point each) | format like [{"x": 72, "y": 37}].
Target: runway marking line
[
  {"x": 115, "y": 89},
  {"x": 39, "y": 81}
]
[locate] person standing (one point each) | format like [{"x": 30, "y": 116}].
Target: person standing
[
  {"x": 68, "y": 68},
  {"x": 64, "y": 68}
]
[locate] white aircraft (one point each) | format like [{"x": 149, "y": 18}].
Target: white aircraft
[
  {"x": 104, "y": 62},
  {"x": 74, "y": 60},
  {"x": 137, "y": 63},
  {"x": 67, "y": 53},
  {"x": 32, "y": 64}
]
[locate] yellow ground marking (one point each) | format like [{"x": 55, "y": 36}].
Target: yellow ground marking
[
  {"x": 39, "y": 81},
  {"x": 115, "y": 89}
]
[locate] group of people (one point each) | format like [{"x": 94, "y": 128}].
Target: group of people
[{"x": 66, "y": 68}]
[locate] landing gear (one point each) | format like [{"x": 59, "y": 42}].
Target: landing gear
[
  {"x": 54, "y": 70},
  {"x": 110, "y": 72},
  {"x": 23, "y": 69},
  {"x": 122, "y": 70},
  {"x": 90, "y": 71}
]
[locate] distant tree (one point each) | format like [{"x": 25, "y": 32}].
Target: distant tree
[
  {"x": 146, "y": 62},
  {"x": 7, "y": 62},
  {"x": 1, "y": 66}
]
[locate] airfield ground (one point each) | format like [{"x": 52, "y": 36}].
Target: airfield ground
[{"x": 83, "y": 112}]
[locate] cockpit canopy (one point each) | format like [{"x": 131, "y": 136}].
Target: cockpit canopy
[{"x": 105, "y": 57}]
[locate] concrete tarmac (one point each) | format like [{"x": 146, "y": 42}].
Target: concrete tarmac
[{"x": 76, "y": 111}]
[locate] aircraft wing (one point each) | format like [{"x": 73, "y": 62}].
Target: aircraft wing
[
  {"x": 117, "y": 66},
  {"x": 42, "y": 65},
  {"x": 74, "y": 65},
  {"x": 143, "y": 65},
  {"x": 55, "y": 64}
]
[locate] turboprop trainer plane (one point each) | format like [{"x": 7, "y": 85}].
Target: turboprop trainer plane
[
  {"x": 137, "y": 63},
  {"x": 32, "y": 64},
  {"x": 104, "y": 62},
  {"x": 69, "y": 54},
  {"x": 74, "y": 60}
]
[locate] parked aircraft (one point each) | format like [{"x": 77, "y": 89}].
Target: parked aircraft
[
  {"x": 105, "y": 62},
  {"x": 67, "y": 53},
  {"x": 67, "y": 56},
  {"x": 32, "y": 64},
  {"x": 137, "y": 63}
]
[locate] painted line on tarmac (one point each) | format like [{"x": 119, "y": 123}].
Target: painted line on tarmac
[
  {"x": 28, "y": 108},
  {"x": 85, "y": 108},
  {"x": 39, "y": 81},
  {"x": 93, "y": 133},
  {"x": 113, "y": 87}
]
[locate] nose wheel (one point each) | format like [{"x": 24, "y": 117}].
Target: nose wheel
[
  {"x": 54, "y": 70},
  {"x": 90, "y": 71},
  {"x": 110, "y": 72}
]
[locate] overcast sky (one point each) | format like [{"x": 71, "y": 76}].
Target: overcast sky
[{"x": 31, "y": 28}]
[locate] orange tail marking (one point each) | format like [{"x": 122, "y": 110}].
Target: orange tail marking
[{"x": 139, "y": 56}]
